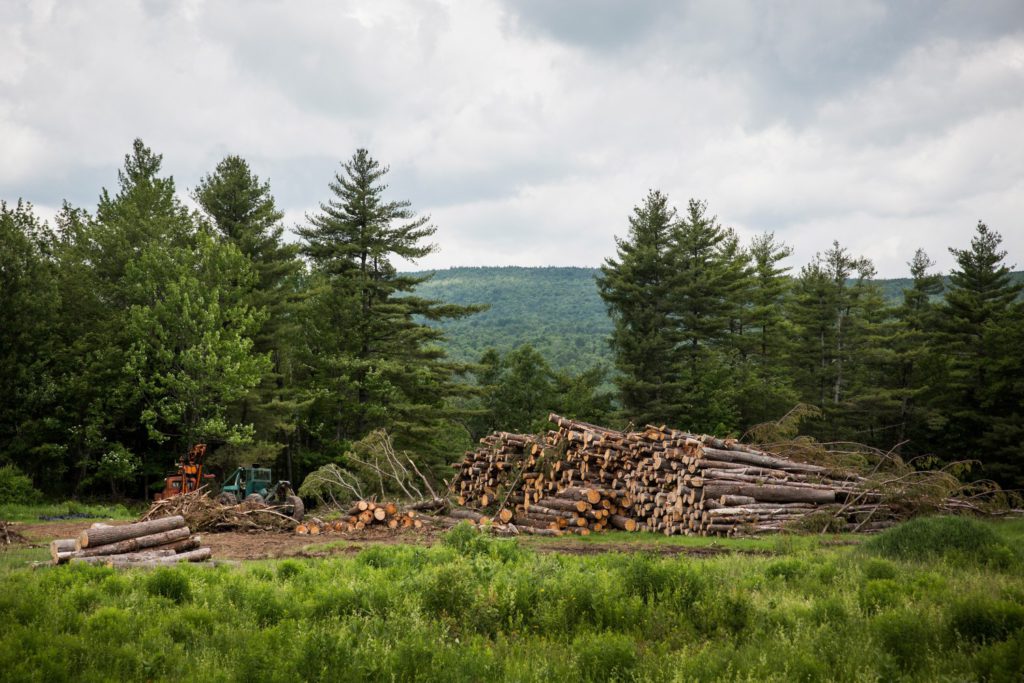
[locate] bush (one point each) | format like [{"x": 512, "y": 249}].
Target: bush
[
  {"x": 980, "y": 618},
  {"x": 467, "y": 540},
  {"x": 604, "y": 656},
  {"x": 15, "y": 487},
  {"x": 955, "y": 538},
  {"x": 907, "y": 636},
  {"x": 879, "y": 594},
  {"x": 169, "y": 583}
]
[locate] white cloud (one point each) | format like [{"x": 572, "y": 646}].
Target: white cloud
[{"x": 529, "y": 130}]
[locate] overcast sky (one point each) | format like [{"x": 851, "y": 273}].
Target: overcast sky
[{"x": 529, "y": 130}]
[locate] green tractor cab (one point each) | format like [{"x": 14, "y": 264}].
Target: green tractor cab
[{"x": 255, "y": 484}]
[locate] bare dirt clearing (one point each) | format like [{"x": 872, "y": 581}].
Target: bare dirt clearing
[{"x": 248, "y": 545}]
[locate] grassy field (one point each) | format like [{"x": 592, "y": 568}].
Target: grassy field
[{"x": 934, "y": 600}]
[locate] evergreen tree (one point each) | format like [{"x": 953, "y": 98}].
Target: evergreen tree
[
  {"x": 29, "y": 299},
  {"x": 917, "y": 357},
  {"x": 243, "y": 212},
  {"x": 979, "y": 323},
  {"x": 519, "y": 390},
  {"x": 710, "y": 284},
  {"x": 823, "y": 309},
  {"x": 765, "y": 388},
  {"x": 375, "y": 364},
  {"x": 637, "y": 289}
]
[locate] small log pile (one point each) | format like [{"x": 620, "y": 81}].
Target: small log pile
[
  {"x": 144, "y": 544},
  {"x": 362, "y": 515},
  {"x": 203, "y": 513},
  {"x": 582, "y": 478}
]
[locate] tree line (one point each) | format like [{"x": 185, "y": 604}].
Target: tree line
[
  {"x": 713, "y": 335},
  {"x": 135, "y": 330},
  {"x": 139, "y": 328}
]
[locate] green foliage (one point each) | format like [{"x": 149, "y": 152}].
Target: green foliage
[
  {"x": 373, "y": 363},
  {"x": 169, "y": 584},
  {"x": 959, "y": 539},
  {"x": 466, "y": 610},
  {"x": 15, "y": 487},
  {"x": 518, "y": 390},
  {"x": 981, "y": 618}
]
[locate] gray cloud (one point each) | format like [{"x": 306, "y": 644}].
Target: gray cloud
[{"x": 529, "y": 129}]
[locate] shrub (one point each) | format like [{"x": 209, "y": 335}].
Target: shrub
[
  {"x": 955, "y": 538},
  {"x": 879, "y": 569},
  {"x": 467, "y": 540},
  {"x": 169, "y": 583},
  {"x": 645, "y": 577},
  {"x": 604, "y": 656},
  {"x": 878, "y": 594},
  {"x": 980, "y": 618},
  {"x": 15, "y": 487},
  {"x": 1001, "y": 662},
  {"x": 907, "y": 636}
]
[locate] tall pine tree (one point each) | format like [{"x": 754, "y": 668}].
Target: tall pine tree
[
  {"x": 376, "y": 364},
  {"x": 979, "y": 328},
  {"x": 637, "y": 288},
  {"x": 243, "y": 212}
]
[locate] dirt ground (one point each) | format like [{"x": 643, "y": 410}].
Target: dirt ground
[{"x": 241, "y": 545}]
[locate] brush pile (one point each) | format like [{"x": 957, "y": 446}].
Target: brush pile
[
  {"x": 144, "y": 544},
  {"x": 362, "y": 515},
  {"x": 205, "y": 514},
  {"x": 582, "y": 478}
]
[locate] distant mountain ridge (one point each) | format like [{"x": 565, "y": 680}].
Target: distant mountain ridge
[{"x": 556, "y": 309}]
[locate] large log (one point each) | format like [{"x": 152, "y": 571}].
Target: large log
[
  {"x": 133, "y": 545},
  {"x": 61, "y": 546},
  {"x": 94, "y": 537},
  {"x": 125, "y": 559},
  {"x": 772, "y": 494}
]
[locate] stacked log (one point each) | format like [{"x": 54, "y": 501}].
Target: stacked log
[
  {"x": 144, "y": 544},
  {"x": 583, "y": 478},
  {"x": 362, "y": 515}
]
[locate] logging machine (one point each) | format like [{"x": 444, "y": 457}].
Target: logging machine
[
  {"x": 190, "y": 475},
  {"x": 256, "y": 485}
]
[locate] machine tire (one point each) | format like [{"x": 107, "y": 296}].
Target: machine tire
[
  {"x": 227, "y": 499},
  {"x": 298, "y": 508},
  {"x": 255, "y": 498}
]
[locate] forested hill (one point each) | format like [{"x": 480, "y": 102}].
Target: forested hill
[{"x": 557, "y": 310}]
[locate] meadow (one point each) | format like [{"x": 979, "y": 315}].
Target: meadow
[{"x": 937, "y": 599}]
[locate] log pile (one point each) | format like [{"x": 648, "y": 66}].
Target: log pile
[
  {"x": 144, "y": 544},
  {"x": 582, "y": 478},
  {"x": 362, "y": 515}
]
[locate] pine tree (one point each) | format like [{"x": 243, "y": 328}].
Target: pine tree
[
  {"x": 375, "y": 364},
  {"x": 710, "y": 284},
  {"x": 825, "y": 307},
  {"x": 979, "y": 324},
  {"x": 243, "y": 213},
  {"x": 637, "y": 289},
  {"x": 766, "y": 391},
  {"x": 916, "y": 356}
]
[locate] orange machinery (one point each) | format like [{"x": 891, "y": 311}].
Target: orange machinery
[{"x": 189, "y": 476}]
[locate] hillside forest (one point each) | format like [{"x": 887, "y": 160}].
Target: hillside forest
[{"x": 141, "y": 326}]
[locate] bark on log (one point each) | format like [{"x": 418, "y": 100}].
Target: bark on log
[
  {"x": 772, "y": 494},
  {"x": 133, "y": 545},
  {"x": 95, "y": 537}
]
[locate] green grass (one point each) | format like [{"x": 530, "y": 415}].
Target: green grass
[
  {"x": 473, "y": 608},
  {"x": 15, "y": 512}
]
